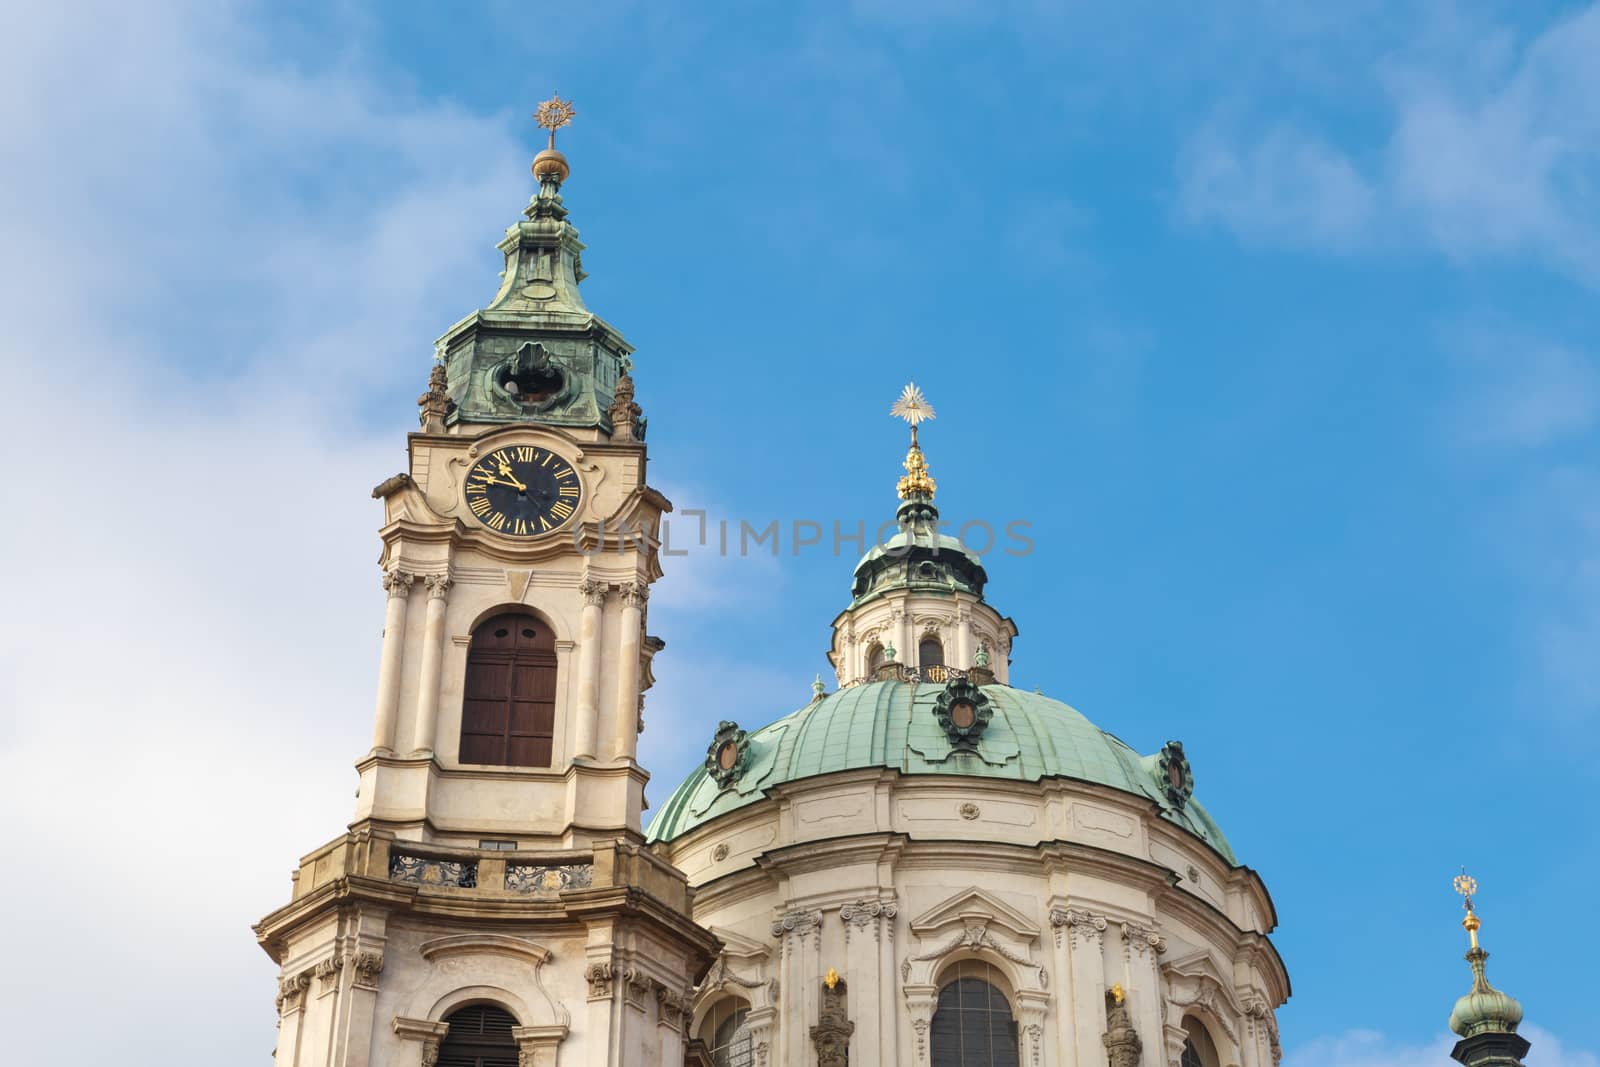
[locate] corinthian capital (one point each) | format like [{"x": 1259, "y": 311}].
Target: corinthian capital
[
  {"x": 438, "y": 586},
  {"x": 635, "y": 594},
  {"x": 398, "y": 582},
  {"x": 593, "y": 590}
]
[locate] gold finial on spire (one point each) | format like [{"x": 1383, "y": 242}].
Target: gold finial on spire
[
  {"x": 1467, "y": 885},
  {"x": 553, "y": 114},
  {"x": 914, "y": 408}
]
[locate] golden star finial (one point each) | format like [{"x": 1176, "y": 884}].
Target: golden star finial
[{"x": 553, "y": 114}]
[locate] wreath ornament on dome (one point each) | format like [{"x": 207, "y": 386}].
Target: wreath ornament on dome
[
  {"x": 963, "y": 712},
  {"x": 728, "y": 754},
  {"x": 1177, "y": 779}
]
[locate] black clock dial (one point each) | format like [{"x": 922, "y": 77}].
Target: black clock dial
[{"x": 523, "y": 490}]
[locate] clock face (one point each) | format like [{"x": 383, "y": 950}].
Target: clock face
[{"x": 523, "y": 490}]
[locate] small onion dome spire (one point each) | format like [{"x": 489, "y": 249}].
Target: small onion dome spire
[
  {"x": 917, "y": 487},
  {"x": 818, "y": 689},
  {"x": 1485, "y": 1018},
  {"x": 550, "y": 165}
]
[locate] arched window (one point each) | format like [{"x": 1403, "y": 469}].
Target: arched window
[
  {"x": 930, "y": 653},
  {"x": 726, "y": 1033},
  {"x": 509, "y": 711},
  {"x": 479, "y": 1036},
  {"x": 1198, "y": 1048},
  {"x": 875, "y": 659},
  {"x": 972, "y": 1025}
]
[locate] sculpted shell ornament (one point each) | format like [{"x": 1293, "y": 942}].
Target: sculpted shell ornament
[
  {"x": 1177, "y": 780},
  {"x": 728, "y": 754},
  {"x": 963, "y": 713}
]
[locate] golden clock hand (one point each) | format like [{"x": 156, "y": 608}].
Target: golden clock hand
[{"x": 505, "y": 472}]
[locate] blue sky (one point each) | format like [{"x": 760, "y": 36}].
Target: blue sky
[{"x": 1276, "y": 322}]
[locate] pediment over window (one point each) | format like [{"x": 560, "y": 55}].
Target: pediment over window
[{"x": 974, "y": 904}]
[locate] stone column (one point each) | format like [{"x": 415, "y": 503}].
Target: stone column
[
  {"x": 801, "y": 935},
  {"x": 588, "y": 705},
  {"x": 422, "y": 739},
  {"x": 626, "y": 712},
  {"x": 291, "y": 1004},
  {"x": 869, "y": 972},
  {"x": 1080, "y": 936},
  {"x": 963, "y": 649},
  {"x": 1140, "y": 947},
  {"x": 398, "y": 583}
]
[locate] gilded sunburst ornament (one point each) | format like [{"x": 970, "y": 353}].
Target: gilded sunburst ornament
[
  {"x": 912, "y": 405},
  {"x": 554, "y": 113}
]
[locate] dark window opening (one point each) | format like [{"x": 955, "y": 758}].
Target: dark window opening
[
  {"x": 930, "y": 653},
  {"x": 479, "y": 1036},
  {"x": 972, "y": 1025}
]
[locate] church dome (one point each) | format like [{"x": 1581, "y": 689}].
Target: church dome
[{"x": 895, "y": 724}]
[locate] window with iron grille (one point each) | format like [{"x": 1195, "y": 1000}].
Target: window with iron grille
[{"x": 972, "y": 1024}]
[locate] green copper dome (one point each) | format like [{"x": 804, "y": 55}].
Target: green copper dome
[
  {"x": 1485, "y": 1009},
  {"x": 895, "y": 724}
]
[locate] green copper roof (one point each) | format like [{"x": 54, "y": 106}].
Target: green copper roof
[{"x": 892, "y": 724}]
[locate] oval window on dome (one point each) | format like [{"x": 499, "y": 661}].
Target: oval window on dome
[
  {"x": 963, "y": 714},
  {"x": 1175, "y": 774},
  {"x": 727, "y": 755}
]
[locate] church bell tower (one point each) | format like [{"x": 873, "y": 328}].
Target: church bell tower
[{"x": 492, "y": 902}]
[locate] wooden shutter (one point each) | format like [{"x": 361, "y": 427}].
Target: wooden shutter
[
  {"x": 509, "y": 707},
  {"x": 479, "y": 1036}
]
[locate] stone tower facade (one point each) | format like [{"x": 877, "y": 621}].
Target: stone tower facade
[{"x": 492, "y": 897}]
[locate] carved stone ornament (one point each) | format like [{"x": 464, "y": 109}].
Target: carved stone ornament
[
  {"x": 831, "y": 1035},
  {"x": 1141, "y": 939},
  {"x": 728, "y": 754},
  {"x": 624, "y": 413},
  {"x": 398, "y": 582},
  {"x": 798, "y": 923},
  {"x": 963, "y": 712},
  {"x": 1082, "y": 925},
  {"x": 438, "y": 586},
  {"x": 969, "y": 811},
  {"x": 864, "y": 913},
  {"x": 593, "y": 591},
  {"x": 547, "y": 878},
  {"x": 635, "y": 595},
  {"x": 367, "y": 966},
  {"x": 1120, "y": 1039},
  {"x": 1177, "y": 779},
  {"x": 434, "y": 405},
  {"x": 430, "y": 1052},
  {"x": 328, "y": 972},
  {"x": 598, "y": 975},
  {"x": 292, "y": 990},
  {"x": 419, "y": 870}
]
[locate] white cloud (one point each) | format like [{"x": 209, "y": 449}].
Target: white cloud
[
  {"x": 1510, "y": 166},
  {"x": 1286, "y": 187},
  {"x": 1480, "y": 159},
  {"x": 192, "y": 643},
  {"x": 1368, "y": 1048},
  {"x": 1524, "y": 391}
]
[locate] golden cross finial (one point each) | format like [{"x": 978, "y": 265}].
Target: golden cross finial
[
  {"x": 1467, "y": 885},
  {"x": 553, "y": 114}
]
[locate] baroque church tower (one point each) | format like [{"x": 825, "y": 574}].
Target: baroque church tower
[{"x": 492, "y": 903}]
